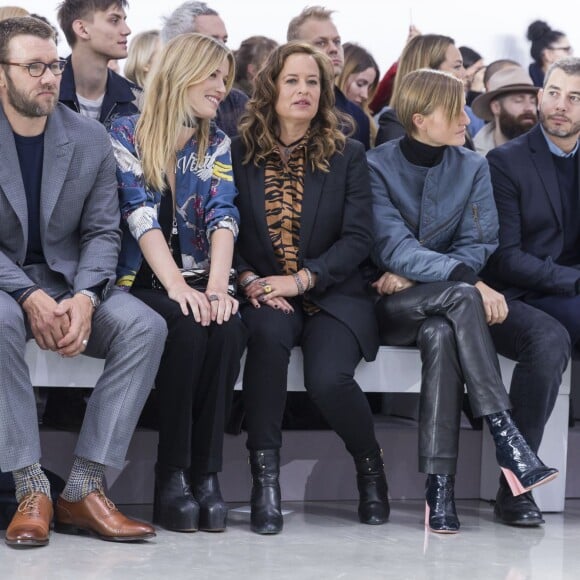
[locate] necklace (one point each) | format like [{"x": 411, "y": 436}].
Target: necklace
[{"x": 287, "y": 148}]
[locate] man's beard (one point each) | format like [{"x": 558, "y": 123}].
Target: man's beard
[
  {"x": 513, "y": 127},
  {"x": 25, "y": 106},
  {"x": 560, "y": 132}
]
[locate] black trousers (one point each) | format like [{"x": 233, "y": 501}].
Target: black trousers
[
  {"x": 198, "y": 370},
  {"x": 331, "y": 354},
  {"x": 541, "y": 347},
  {"x": 447, "y": 322}
]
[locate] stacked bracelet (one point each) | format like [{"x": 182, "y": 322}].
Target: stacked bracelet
[
  {"x": 248, "y": 280},
  {"x": 309, "y": 276},
  {"x": 299, "y": 283}
]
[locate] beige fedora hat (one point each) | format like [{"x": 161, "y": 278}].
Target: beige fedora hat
[{"x": 508, "y": 80}]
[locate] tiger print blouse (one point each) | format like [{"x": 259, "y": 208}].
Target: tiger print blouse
[{"x": 284, "y": 190}]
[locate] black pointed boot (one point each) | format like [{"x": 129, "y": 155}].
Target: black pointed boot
[
  {"x": 213, "y": 511},
  {"x": 440, "y": 513},
  {"x": 174, "y": 506},
  {"x": 266, "y": 506},
  {"x": 373, "y": 506},
  {"x": 521, "y": 467}
]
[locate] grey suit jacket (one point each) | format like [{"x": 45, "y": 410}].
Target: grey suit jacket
[{"x": 79, "y": 222}]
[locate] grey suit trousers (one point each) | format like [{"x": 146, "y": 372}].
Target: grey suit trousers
[{"x": 128, "y": 335}]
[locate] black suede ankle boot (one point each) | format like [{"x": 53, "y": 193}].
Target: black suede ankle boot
[
  {"x": 174, "y": 506},
  {"x": 266, "y": 507},
  {"x": 373, "y": 507},
  {"x": 440, "y": 513},
  {"x": 213, "y": 511},
  {"x": 521, "y": 467}
]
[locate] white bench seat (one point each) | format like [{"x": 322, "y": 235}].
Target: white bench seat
[{"x": 396, "y": 370}]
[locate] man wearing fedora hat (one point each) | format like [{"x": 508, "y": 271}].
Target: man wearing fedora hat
[{"x": 510, "y": 106}]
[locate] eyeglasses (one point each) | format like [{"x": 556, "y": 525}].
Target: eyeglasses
[
  {"x": 566, "y": 49},
  {"x": 37, "y": 69}
]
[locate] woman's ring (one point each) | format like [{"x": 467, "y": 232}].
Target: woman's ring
[
  {"x": 213, "y": 297},
  {"x": 267, "y": 289}
]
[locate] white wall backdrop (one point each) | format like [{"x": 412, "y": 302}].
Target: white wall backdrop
[{"x": 495, "y": 28}]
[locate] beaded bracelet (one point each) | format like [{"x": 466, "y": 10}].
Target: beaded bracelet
[{"x": 299, "y": 283}]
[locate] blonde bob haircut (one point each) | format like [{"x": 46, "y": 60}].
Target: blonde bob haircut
[
  {"x": 140, "y": 56},
  {"x": 425, "y": 90},
  {"x": 186, "y": 60},
  {"x": 425, "y": 51},
  {"x": 259, "y": 125}
]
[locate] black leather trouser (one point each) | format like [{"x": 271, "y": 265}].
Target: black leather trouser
[{"x": 446, "y": 320}]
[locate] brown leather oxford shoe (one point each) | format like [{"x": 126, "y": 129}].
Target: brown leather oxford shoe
[
  {"x": 96, "y": 514},
  {"x": 30, "y": 525}
]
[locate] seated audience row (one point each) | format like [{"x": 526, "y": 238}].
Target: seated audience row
[{"x": 154, "y": 296}]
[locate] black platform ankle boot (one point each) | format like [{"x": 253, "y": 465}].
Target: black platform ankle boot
[
  {"x": 521, "y": 467},
  {"x": 174, "y": 506},
  {"x": 440, "y": 513},
  {"x": 266, "y": 497},
  {"x": 373, "y": 506},
  {"x": 213, "y": 511}
]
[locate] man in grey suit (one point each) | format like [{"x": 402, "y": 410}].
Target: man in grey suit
[{"x": 59, "y": 242}]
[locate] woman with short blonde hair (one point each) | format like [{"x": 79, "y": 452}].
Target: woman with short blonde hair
[{"x": 435, "y": 226}]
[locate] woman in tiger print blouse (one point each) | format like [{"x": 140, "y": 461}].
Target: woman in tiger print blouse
[{"x": 305, "y": 223}]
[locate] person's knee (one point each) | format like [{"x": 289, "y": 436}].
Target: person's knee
[
  {"x": 466, "y": 293},
  {"x": 546, "y": 345},
  {"x": 324, "y": 382}
]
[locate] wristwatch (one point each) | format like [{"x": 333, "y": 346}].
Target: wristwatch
[{"x": 93, "y": 297}]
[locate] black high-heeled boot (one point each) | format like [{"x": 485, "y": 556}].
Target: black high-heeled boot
[
  {"x": 266, "y": 517},
  {"x": 213, "y": 511},
  {"x": 373, "y": 506},
  {"x": 174, "y": 506},
  {"x": 521, "y": 467},
  {"x": 440, "y": 513}
]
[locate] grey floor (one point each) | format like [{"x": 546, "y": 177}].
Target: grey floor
[{"x": 321, "y": 540}]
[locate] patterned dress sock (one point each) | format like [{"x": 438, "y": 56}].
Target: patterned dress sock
[
  {"x": 85, "y": 477},
  {"x": 30, "y": 479}
]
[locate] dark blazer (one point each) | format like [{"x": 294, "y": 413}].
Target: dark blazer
[
  {"x": 335, "y": 236},
  {"x": 362, "y": 125},
  {"x": 529, "y": 204}
]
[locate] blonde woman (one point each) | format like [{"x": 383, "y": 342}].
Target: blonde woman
[
  {"x": 177, "y": 204},
  {"x": 359, "y": 79},
  {"x": 143, "y": 50}
]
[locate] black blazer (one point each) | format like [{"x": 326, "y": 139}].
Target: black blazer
[
  {"x": 529, "y": 204},
  {"x": 335, "y": 236}
]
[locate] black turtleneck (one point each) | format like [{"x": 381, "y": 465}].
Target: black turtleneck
[
  {"x": 421, "y": 154},
  {"x": 425, "y": 155}
]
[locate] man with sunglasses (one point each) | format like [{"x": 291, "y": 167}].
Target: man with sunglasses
[{"x": 59, "y": 243}]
